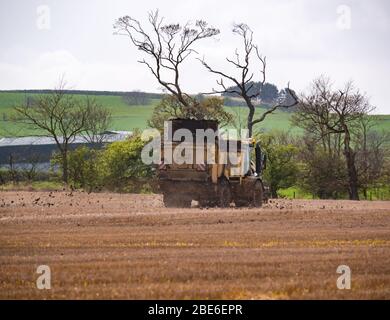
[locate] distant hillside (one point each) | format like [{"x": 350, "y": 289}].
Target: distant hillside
[
  {"x": 130, "y": 117},
  {"x": 86, "y": 92}
]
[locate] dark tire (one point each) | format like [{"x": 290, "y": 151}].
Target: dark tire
[
  {"x": 241, "y": 203},
  {"x": 257, "y": 196},
  {"x": 224, "y": 193},
  {"x": 185, "y": 203},
  {"x": 176, "y": 201},
  {"x": 169, "y": 201},
  {"x": 207, "y": 203}
]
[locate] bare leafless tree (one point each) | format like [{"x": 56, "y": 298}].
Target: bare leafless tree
[
  {"x": 371, "y": 152},
  {"x": 244, "y": 81},
  {"x": 167, "y": 45},
  {"x": 335, "y": 112},
  {"x": 29, "y": 170},
  {"x": 97, "y": 122},
  {"x": 60, "y": 116}
]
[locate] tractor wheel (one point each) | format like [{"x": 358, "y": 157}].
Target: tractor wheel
[
  {"x": 176, "y": 201},
  {"x": 257, "y": 197},
  {"x": 207, "y": 203},
  {"x": 185, "y": 203},
  {"x": 224, "y": 193},
  {"x": 241, "y": 203},
  {"x": 169, "y": 200}
]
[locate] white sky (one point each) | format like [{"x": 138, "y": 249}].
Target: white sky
[{"x": 302, "y": 39}]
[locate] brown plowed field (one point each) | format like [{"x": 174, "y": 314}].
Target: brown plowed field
[{"x": 129, "y": 246}]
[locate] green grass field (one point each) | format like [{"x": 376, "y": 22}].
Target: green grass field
[
  {"x": 125, "y": 117},
  {"x": 382, "y": 193}
]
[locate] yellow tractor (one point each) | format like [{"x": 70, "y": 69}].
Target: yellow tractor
[{"x": 217, "y": 172}]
